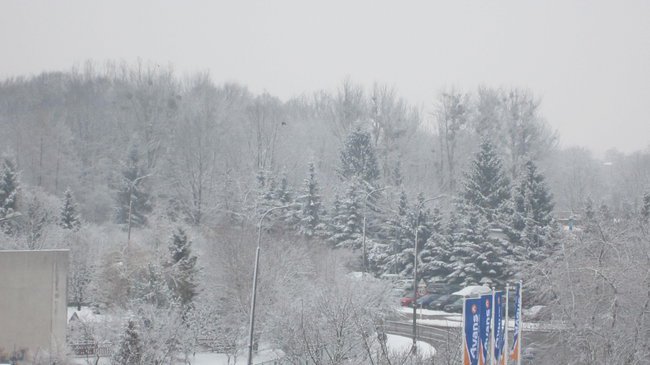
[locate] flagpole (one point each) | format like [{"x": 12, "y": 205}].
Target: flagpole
[
  {"x": 491, "y": 341},
  {"x": 521, "y": 322},
  {"x": 462, "y": 329},
  {"x": 505, "y": 353}
]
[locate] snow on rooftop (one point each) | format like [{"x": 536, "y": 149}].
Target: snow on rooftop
[{"x": 86, "y": 315}]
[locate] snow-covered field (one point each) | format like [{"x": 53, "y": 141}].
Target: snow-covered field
[{"x": 395, "y": 344}]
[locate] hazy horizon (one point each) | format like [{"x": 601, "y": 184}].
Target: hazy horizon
[{"x": 587, "y": 61}]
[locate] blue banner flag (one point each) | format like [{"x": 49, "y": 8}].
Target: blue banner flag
[
  {"x": 499, "y": 326},
  {"x": 471, "y": 331},
  {"x": 514, "y": 352},
  {"x": 485, "y": 315}
]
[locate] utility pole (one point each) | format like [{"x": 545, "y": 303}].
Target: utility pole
[
  {"x": 363, "y": 240},
  {"x": 255, "y": 274}
]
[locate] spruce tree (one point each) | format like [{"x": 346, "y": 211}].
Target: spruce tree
[
  {"x": 132, "y": 198},
  {"x": 358, "y": 158},
  {"x": 348, "y": 222},
  {"x": 282, "y": 194},
  {"x": 532, "y": 205},
  {"x": 69, "y": 216},
  {"x": 399, "y": 237},
  {"x": 266, "y": 192},
  {"x": 284, "y": 197},
  {"x": 152, "y": 288},
  {"x": 477, "y": 257},
  {"x": 183, "y": 267},
  {"x": 130, "y": 348},
  {"x": 645, "y": 209},
  {"x": 9, "y": 187},
  {"x": 486, "y": 186},
  {"x": 421, "y": 218},
  {"x": 418, "y": 219},
  {"x": 436, "y": 255},
  {"x": 397, "y": 178},
  {"x": 334, "y": 221},
  {"x": 591, "y": 220},
  {"x": 471, "y": 232},
  {"x": 311, "y": 210},
  {"x": 531, "y": 239}
]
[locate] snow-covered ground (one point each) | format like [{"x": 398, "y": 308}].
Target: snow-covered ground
[
  {"x": 395, "y": 344},
  {"x": 210, "y": 358},
  {"x": 205, "y": 358},
  {"x": 401, "y": 344}
]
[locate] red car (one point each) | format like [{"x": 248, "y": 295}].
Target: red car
[{"x": 407, "y": 300}]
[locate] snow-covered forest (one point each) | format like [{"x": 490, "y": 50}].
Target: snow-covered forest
[{"x": 157, "y": 183}]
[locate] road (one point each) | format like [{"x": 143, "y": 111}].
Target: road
[{"x": 443, "y": 331}]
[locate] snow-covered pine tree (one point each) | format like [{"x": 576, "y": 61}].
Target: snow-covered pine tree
[
  {"x": 183, "y": 270},
  {"x": 399, "y": 236},
  {"x": 397, "y": 177},
  {"x": 132, "y": 198},
  {"x": 421, "y": 218},
  {"x": 476, "y": 257},
  {"x": 284, "y": 197},
  {"x": 532, "y": 204},
  {"x": 9, "y": 188},
  {"x": 470, "y": 229},
  {"x": 486, "y": 185},
  {"x": 645, "y": 208},
  {"x": 418, "y": 218},
  {"x": 349, "y": 220},
  {"x": 436, "y": 255},
  {"x": 151, "y": 288},
  {"x": 266, "y": 192},
  {"x": 129, "y": 351},
  {"x": 311, "y": 210},
  {"x": 69, "y": 216},
  {"x": 282, "y": 194},
  {"x": 333, "y": 221},
  {"x": 531, "y": 240},
  {"x": 358, "y": 158},
  {"x": 591, "y": 220}
]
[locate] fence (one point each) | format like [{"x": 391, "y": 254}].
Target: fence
[{"x": 83, "y": 349}]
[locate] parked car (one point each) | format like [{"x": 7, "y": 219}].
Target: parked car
[
  {"x": 407, "y": 300},
  {"x": 455, "y": 304},
  {"x": 441, "y": 301},
  {"x": 425, "y": 300}
]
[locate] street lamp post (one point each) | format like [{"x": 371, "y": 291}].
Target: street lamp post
[
  {"x": 363, "y": 240},
  {"x": 415, "y": 268},
  {"x": 255, "y": 273}
]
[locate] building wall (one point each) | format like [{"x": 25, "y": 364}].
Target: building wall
[{"x": 33, "y": 300}]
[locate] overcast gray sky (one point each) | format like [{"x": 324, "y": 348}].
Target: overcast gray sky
[{"x": 589, "y": 61}]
